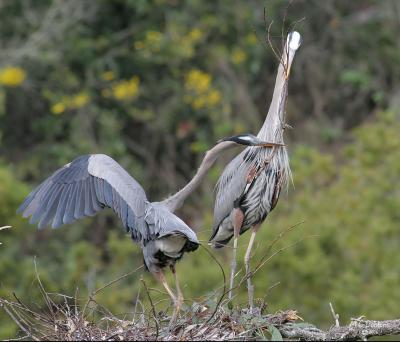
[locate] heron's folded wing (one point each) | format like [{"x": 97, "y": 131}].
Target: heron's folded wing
[
  {"x": 161, "y": 222},
  {"x": 84, "y": 187},
  {"x": 230, "y": 187}
]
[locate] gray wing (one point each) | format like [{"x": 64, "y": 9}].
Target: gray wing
[
  {"x": 84, "y": 187},
  {"x": 230, "y": 186},
  {"x": 161, "y": 222}
]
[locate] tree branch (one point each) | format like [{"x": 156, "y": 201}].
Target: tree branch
[{"x": 356, "y": 330}]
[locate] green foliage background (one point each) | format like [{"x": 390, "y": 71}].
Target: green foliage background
[{"x": 154, "y": 84}]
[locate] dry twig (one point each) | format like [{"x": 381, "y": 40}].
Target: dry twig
[{"x": 69, "y": 323}]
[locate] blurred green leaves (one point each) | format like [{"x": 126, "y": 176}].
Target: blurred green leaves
[{"x": 356, "y": 79}]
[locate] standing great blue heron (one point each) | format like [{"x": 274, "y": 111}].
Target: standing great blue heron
[
  {"x": 92, "y": 182},
  {"x": 250, "y": 184}
]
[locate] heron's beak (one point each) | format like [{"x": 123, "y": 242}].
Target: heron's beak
[
  {"x": 262, "y": 143},
  {"x": 250, "y": 140},
  {"x": 287, "y": 73},
  {"x": 293, "y": 43},
  {"x": 269, "y": 144}
]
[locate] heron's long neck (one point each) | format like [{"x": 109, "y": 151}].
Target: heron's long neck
[
  {"x": 272, "y": 128},
  {"x": 174, "y": 202}
]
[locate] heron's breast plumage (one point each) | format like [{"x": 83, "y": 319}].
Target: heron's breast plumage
[{"x": 260, "y": 198}]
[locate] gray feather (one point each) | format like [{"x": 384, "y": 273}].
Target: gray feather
[
  {"x": 89, "y": 210},
  {"x": 35, "y": 201},
  {"x": 70, "y": 207},
  {"x": 95, "y": 202},
  {"x": 51, "y": 207},
  {"x": 99, "y": 186},
  {"x": 80, "y": 201},
  {"x": 108, "y": 194},
  {"x": 58, "y": 218},
  {"x": 40, "y": 204}
]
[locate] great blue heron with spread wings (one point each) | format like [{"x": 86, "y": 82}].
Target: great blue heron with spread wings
[
  {"x": 250, "y": 184},
  {"x": 92, "y": 182}
]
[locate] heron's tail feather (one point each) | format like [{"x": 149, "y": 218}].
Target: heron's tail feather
[{"x": 190, "y": 246}]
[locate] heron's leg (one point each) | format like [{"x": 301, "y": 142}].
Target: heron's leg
[
  {"x": 179, "y": 300},
  {"x": 161, "y": 278},
  {"x": 238, "y": 217},
  {"x": 250, "y": 287}
]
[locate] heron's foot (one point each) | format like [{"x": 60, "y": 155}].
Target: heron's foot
[
  {"x": 177, "y": 308},
  {"x": 255, "y": 311},
  {"x": 250, "y": 289}
]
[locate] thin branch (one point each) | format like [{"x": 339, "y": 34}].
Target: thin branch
[
  {"x": 224, "y": 292},
  {"x": 335, "y": 315},
  {"x": 94, "y": 293},
  {"x": 279, "y": 58},
  {"x": 153, "y": 309},
  {"x": 18, "y": 322},
  {"x": 116, "y": 280},
  {"x": 279, "y": 237},
  {"x": 47, "y": 299},
  {"x": 284, "y": 21}
]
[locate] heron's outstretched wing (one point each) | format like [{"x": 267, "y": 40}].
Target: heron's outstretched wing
[
  {"x": 230, "y": 187},
  {"x": 84, "y": 187}
]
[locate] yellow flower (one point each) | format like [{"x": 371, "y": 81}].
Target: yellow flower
[
  {"x": 58, "y": 108},
  {"x": 214, "y": 97},
  {"x": 199, "y": 91},
  {"x": 70, "y": 102},
  {"x": 12, "y": 76},
  {"x": 153, "y": 41},
  {"x": 153, "y": 36},
  {"x": 108, "y": 75},
  {"x": 195, "y": 35},
  {"x": 198, "y": 102},
  {"x": 238, "y": 56},
  {"x": 123, "y": 90},
  {"x": 197, "y": 81},
  {"x": 251, "y": 39},
  {"x": 79, "y": 100}
]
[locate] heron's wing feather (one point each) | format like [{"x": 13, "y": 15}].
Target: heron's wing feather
[
  {"x": 230, "y": 187},
  {"x": 84, "y": 187},
  {"x": 161, "y": 222}
]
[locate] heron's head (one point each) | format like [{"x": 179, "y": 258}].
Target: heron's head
[
  {"x": 293, "y": 42},
  {"x": 249, "y": 140}
]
